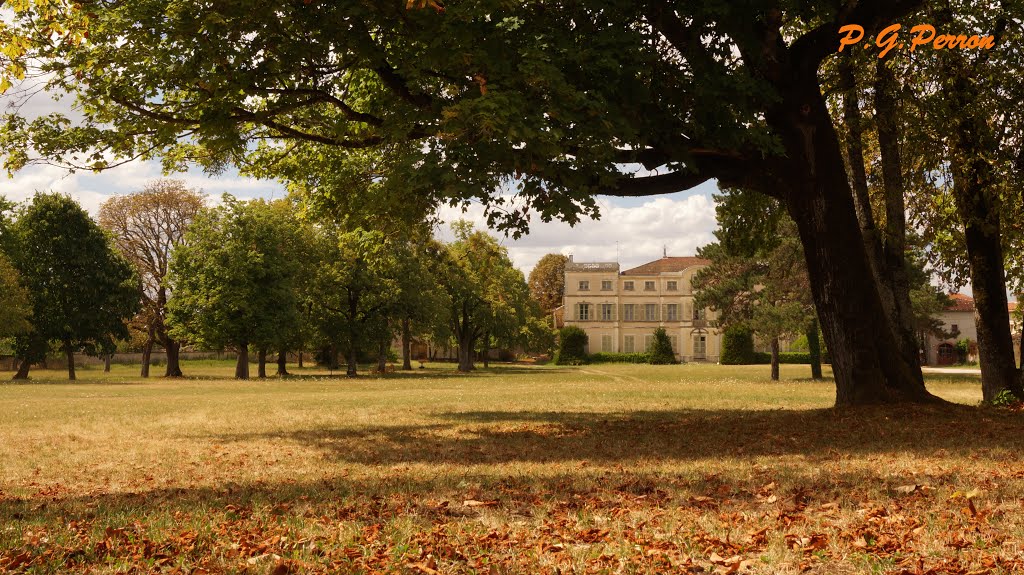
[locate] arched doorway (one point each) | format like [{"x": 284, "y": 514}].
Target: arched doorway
[{"x": 946, "y": 354}]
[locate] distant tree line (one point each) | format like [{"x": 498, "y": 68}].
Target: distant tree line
[{"x": 160, "y": 267}]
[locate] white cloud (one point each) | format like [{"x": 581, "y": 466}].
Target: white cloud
[
  {"x": 91, "y": 189},
  {"x": 632, "y": 235}
]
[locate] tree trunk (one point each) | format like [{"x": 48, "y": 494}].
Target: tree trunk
[
  {"x": 464, "y": 337},
  {"x": 978, "y": 210},
  {"x": 106, "y": 362},
  {"x": 69, "y": 351},
  {"x": 242, "y": 365},
  {"x": 147, "y": 354},
  {"x": 261, "y": 358},
  {"x": 775, "y": 359},
  {"x": 282, "y": 363},
  {"x": 812, "y": 182},
  {"x": 894, "y": 277},
  {"x": 485, "y": 349},
  {"x": 353, "y": 335},
  {"x": 382, "y": 356},
  {"x": 995, "y": 341},
  {"x": 332, "y": 357},
  {"x": 23, "y": 368},
  {"x": 466, "y": 353},
  {"x": 300, "y": 359},
  {"x": 173, "y": 348},
  {"x": 886, "y": 258},
  {"x": 406, "y": 345},
  {"x": 814, "y": 347},
  {"x": 853, "y": 120},
  {"x": 353, "y": 357}
]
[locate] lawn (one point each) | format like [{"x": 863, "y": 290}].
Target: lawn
[{"x": 516, "y": 469}]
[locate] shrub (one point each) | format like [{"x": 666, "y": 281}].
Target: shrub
[
  {"x": 737, "y": 346},
  {"x": 800, "y": 344},
  {"x": 1005, "y": 398},
  {"x": 572, "y": 343},
  {"x": 661, "y": 349},
  {"x": 605, "y": 357}
]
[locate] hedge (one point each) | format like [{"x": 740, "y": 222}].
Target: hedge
[{"x": 607, "y": 357}]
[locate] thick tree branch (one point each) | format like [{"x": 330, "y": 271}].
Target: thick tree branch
[{"x": 656, "y": 185}]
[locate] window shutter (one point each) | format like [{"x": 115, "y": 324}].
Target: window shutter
[
  {"x": 664, "y": 312},
  {"x": 688, "y": 311}
]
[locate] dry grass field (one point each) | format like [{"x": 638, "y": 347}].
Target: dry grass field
[{"x": 516, "y": 469}]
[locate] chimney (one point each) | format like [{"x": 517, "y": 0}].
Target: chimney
[{"x": 570, "y": 257}]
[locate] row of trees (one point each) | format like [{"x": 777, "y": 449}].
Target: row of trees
[{"x": 251, "y": 275}]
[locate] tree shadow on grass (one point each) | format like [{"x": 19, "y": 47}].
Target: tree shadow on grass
[{"x": 499, "y": 437}]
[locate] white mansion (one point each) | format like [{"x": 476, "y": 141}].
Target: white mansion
[{"x": 620, "y": 310}]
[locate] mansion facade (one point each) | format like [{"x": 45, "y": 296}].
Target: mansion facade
[{"x": 619, "y": 310}]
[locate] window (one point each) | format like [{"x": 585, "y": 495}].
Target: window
[
  {"x": 607, "y": 312},
  {"x": 628, "y": 312},
  {"x": 700, "y": 347},
  {"x": 672, "y": 312},
  {"x": 954, "y": 328},
  {"x": 606, "y": 343},
  {"x": 648, "y": 342},
  {"x": 628, "y": 345},
  {"x": 584, "y": 285},
  {"x": 606, "y": 285},
  {"x": 583, "y": 311},
  {"x": 672, "y": 286},
  {"x": 675, "y": 343},
  {"x": 627, "y": 286},
  {"x": 650, "y": 312},
  {"x": 649, "y": 286},
  {"x": 699, "y": 313}
]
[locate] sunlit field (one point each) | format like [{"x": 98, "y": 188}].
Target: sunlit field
[{"x": 514, "y": 469}]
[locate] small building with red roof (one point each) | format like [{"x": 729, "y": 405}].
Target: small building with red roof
[{"x": 957, "y": 323}]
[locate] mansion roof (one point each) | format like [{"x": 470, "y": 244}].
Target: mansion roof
[{"x": 666, "y": 264}]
